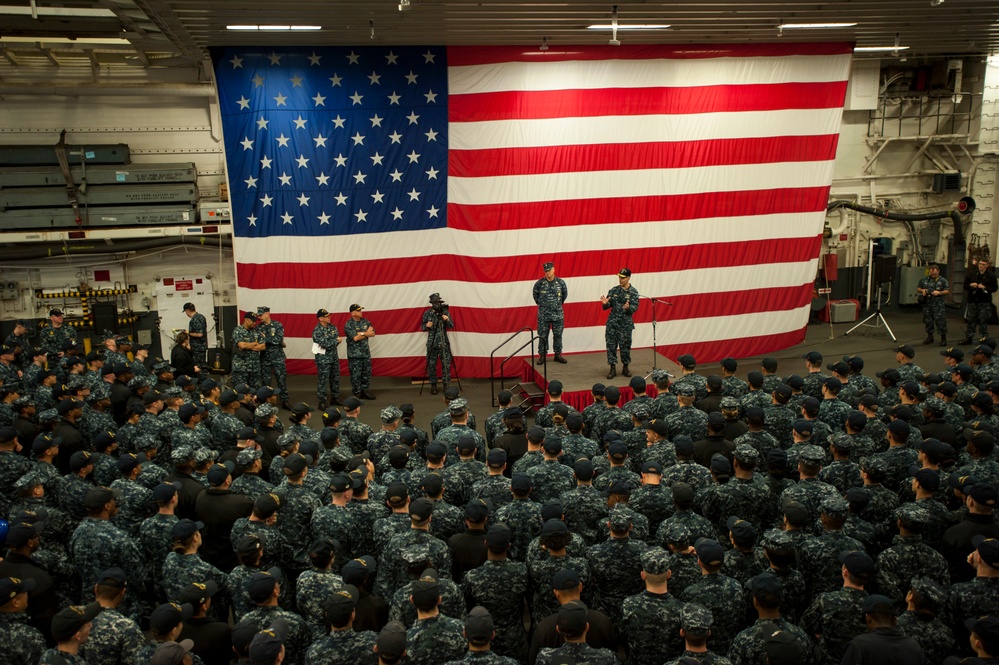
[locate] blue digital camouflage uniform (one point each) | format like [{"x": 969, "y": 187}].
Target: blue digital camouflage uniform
[
  {"x": 245, "y": 363},
  {"x": 181, "y": 570},
  {"x": 719, "y": 593},
  {"x": 313, "y": 589},
  {"x": 358, "y": 354},
  {"x": 651, "y": 624},
  {"x": 51, "y": 339},
  {"x": 550, "y": 296},
  {"x": 435, "y": 640},
  {"x": 834, "y": 618},
  {"x": 934, "y": 313},
  {"x": 584, "y": 508},
  {"x": 114, "y": 639},
  {"x": 501, "y": 587},
  {"x": 438, "y": 348},
  {"x": 344, "y": 647},
  {"x": 298, "y": 638},
  {"x": 154, "y": 540},
  {"x": 23, "y": 645},
  {"x": 748, "y": 646},
  {"x": 936, "y": 637},
  {"x": 580, "y": 653},
  {"x": 623, "y": 304},
  {"x": 541, "y": 572},
  {"x": 615, "y": 566},
  {"x": 97, "y": 545},
  {"x": 327, "y": 363},
  {"x": 199, "y": 345},
  {"x": 402, "y": 609},
  {"x": 909, "y": 557},
  {"x": 272, "y": 359}
]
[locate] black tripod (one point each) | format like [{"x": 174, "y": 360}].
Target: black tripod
[
  {"x": 443, "y": 346},
  {"x": 655, "y": 349}
]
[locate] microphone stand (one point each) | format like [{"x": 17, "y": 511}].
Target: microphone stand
[{"x": 655, "y": 351}]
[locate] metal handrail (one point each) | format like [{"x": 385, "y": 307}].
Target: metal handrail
[{"x": 492, "y": 370}]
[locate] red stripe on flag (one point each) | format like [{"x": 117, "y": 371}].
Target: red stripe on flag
[
  {"x": 463, "y": 56},
  {"x": 620, "y": 156},
  {"x": 625, "y": 210},
  {"x": 341, "y": 274},
  {"x": 577, "y": 314},
  {"x": 705, "y": 352},
  {"x": 582, "y": 103}
]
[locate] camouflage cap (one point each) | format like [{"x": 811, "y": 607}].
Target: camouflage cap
[
  {"x": 841, "y": 441},
  {"x": 173, "y": 392},
  {"x": 696, "y": 619},
  {"x": 935, "y": 405},
  {"x": 620, "y": 517},
  {"x": 204, "y": 456},
  {"x": 684, "y": 390},
  {"x": 746, "y": 454},
  {"x": 655, "y": 561},
  {"x": 729, "y": 403},
  {"x": 874, "y": 464},
  {"x": 248, "y": 456},
  {"x": 265, "y": 411},
  {"x": 48, "y": 416},
  {"x": 145, "y": 442},
  {"x": 287, "y": 440},
  {"x": 182, "y": 454},
  {"x": 775, "y": 539},
  {"x": 811, "y": 453},
  {"x": 30, "y": 479},
  {"x": 835, "y": 506},
  {"x": 912, "y": 516},
  {"x": 678, "y": 534},
  {"x": 390, "y": 414},
  {"x": 660, "y": 376},
  {"x": 930, "y": 590},
  {"x": 458, "y": 405},
  {"x": 642, "y": 411}
]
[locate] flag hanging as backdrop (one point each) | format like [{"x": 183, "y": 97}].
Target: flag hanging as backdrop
[{"x": 379, "y": 175}]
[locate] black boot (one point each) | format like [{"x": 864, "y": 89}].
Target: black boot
[
  {"x": 929, "y": 339},
  {"x": 287, "y": 407},
  {"x": 433, "y": 388},
  {"x": 625, "y": 371},
  {"x": 943, "y": 340},
  {"x": 364, "y": 394},
  {"x": 559, "y": 359},
  {"x": 966, "y": 341},
  {"x": 322, "y": 406},
  {"x": 541, "y": 360},
  {"x": 613, "y": 372}
]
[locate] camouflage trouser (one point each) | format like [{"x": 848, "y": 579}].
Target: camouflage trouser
[
  {"x": 200, "y": 351},
  {"x": 618, "y": 336},
  {"x": 978, "y": 314},
  {"x": 435, "y": 353},
  {"x": 276, "y": 366},
  {"x": 934, "y": 314},
  {"x": 245, "y": 371},
  {"x": 360, "y": 373},
  {"x": 328, "y": 367},
  {"x": 556, "y": 326}
]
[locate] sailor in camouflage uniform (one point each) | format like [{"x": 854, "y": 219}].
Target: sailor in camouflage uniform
[
  {"x": 819, "y": 557},
  {"x": 114, "y": 638},
  {"x": 23, "y": 644},
  {"x": 925, "y": 602},
  {"x": 433, "y": 638},
  {"x": 933, "y": 288},
  {"x": 909, "y": 556},
  {"x": 749, "y": 646},
  {"x": 247, "y": 347},
  {"x": 718, "y": 593},
  {"x": 572, "y": 626},
  {"x": 650, "y": 620},
  {"x": 272, "y": 359},
  {"x": 699, "y": 625},
  {"x": 623, "y": 302},
  {"x": 836, "y": 617},
  {"x": 480, "y": 631},
  {"x": 343, "y": 646},
  {"x": 197, "y": 328},
  {"x": 500, "y": 585},
  {"x": 54, "y": 337},
  {"x": 357, "y": 331},
  {"x": 550, "y": 293},
  {"x": 436, "y": 321}
]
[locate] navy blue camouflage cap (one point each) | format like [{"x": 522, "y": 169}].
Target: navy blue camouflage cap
[
  {"x": 841, "y": 441},
  {"x": 655, "y": 561},
  {"x": 683, "y": 390},
  {"x": 912, "y": 516},
  {"x": 204, "y": 455},
  {"x": 746, "y": 454},
  {"x": 620, "y": 517},
  {"x": 776, "y": 540},
  {"x": 729, "y": 403},
  {"x": 834, "y": 506},
  {"x": 390, "y": 414},
  {"x": 696, "y": 619},
  {"x": 677, "y": 534},
  {"x": 811, "y": 453},
  {"x": 930, "y": 590},
  {"x": 458, "y": 405},
  {"x": 658, "y": 376}
]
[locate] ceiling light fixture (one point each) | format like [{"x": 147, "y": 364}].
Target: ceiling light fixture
[
  {"x": 273, "y": 28},
  {"x": 614, "y": 40},
  {"x": 404, "y": 5},
  {"x": 544, "y": 44},
  {"x": 815, "y": 26},
  {"x": 35, "y": 12},
  {"x": 936, "y": 3},
  {"x": 883, "y": 49},
  {"x": 637, "y": 26}
]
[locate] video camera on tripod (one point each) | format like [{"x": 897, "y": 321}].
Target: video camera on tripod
[{"x": 438, "y": 304}]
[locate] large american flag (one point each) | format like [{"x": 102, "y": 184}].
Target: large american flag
[{"x": 379, "y": 175}]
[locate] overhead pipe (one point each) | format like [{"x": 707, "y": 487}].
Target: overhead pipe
[
  {"x": 109, "y": 89},
  {"x": 58, "y": 249},
  {"x": 958, "y": 215}
]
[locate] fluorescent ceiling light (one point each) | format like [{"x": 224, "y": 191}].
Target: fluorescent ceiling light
[
  {"x": 274, "y": 28},
  {"x": 639, "y": 26},
  {"x": 814, "y": 26},
  {"x": 879, "y": 49},
  {"x": 48, "y": 41},
  {"x": 89, "y": 12}
]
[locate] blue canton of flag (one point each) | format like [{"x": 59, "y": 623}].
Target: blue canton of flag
[{"x": 333, "y": 141}]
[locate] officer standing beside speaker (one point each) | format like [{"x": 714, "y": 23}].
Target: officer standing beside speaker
[
  {"x": 550, "y": 293},
  {"x": 622, "y": 301},
  {"x": 197, "y": 328}
]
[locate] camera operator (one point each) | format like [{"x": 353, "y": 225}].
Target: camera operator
[{"x": 436, "y": 320}]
